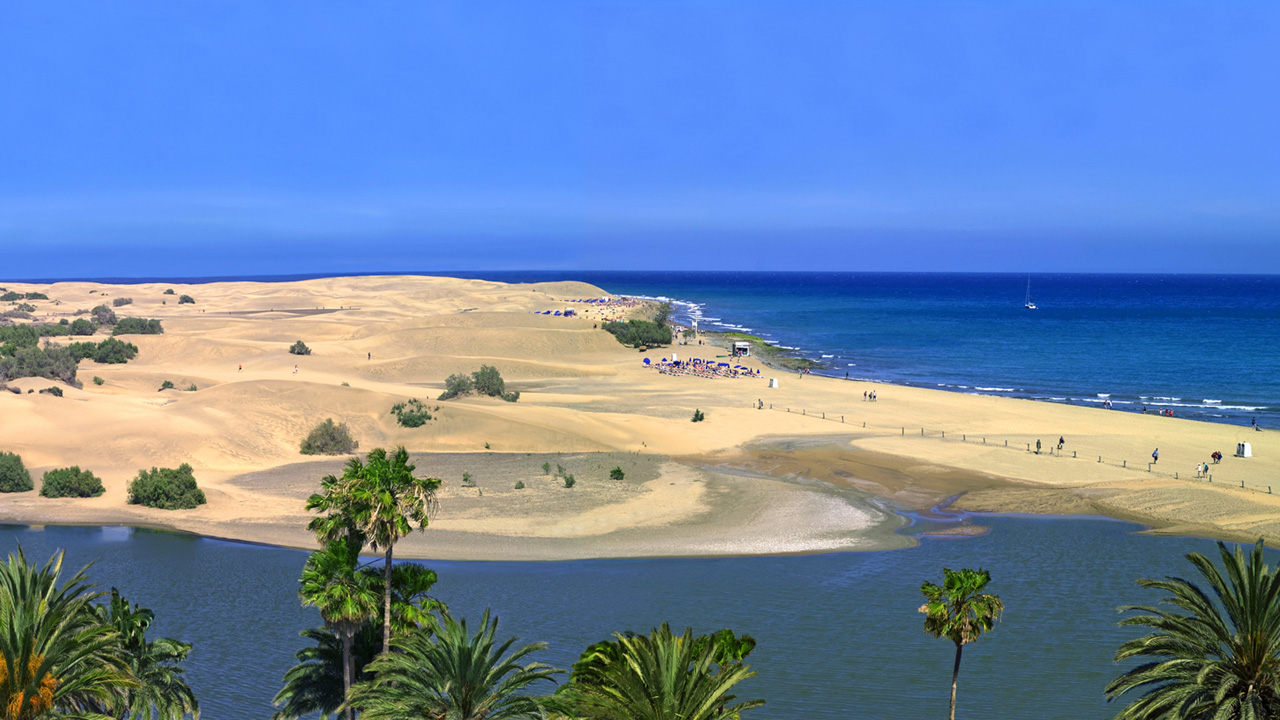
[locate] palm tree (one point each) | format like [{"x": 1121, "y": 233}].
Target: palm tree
[
  {"x": 959, "y": 611},
  {"x": 661, "y": 676},
  {"x": 55, "y": 657},
  {"x": 162, "y": 693},
  {"x": 345, "y": 597},
  {"x": 411, "y": 606},
  {"x": 378, "y": 501},
  {"x": 1216, "y": 654},
  {"x": 315, "y": 684},
  {"x": 452, "y": 674}
]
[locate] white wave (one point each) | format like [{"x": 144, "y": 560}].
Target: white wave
[
  {"x": 852, "y": 364},
  {"x": 1211, "y": 402},
  {"x": 993, "y": 389},
  {"x": 828, "y": 356},
  {"x": 1246, "y": 408},
  {"x": 1104, "y": 395}
]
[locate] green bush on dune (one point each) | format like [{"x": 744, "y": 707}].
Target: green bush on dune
[
  {"x": 329, "y": 438},
  {"x": 70, "y": 482},
  {"x": 137, "y": 326},
  {"x": 411, "y": 413},
  {"x": 299, "y": 348},
  {"x": 166, "y": 489},
  {"x": 13, "y": 474},
  {"x": 485, "y": 381},
  {"x": 637, "y": 333}
]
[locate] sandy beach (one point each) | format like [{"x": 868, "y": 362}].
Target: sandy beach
[{"x": 817, "y": 468}]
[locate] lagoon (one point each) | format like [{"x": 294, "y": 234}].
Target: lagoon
[{"x": 839, "y": 635}]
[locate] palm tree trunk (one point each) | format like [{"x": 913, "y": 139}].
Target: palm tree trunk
[
  {"x": 955, "y": 676},
  {"x": 386, "y": 603},
  {"x": 347, "y": 637}
]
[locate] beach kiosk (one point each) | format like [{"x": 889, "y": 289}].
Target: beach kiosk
[
  {"x": 742, "y": 349},
  {"x": 773, "y": 382},
  {"x": 1244, "y": 450}
]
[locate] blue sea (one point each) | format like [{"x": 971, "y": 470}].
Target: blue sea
[{"x": 1206, "y": 347}]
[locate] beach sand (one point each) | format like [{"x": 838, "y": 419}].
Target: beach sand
[{"x": 818, "y": 469}]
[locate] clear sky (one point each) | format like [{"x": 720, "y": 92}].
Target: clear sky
[{"x": 219, "y": 137}]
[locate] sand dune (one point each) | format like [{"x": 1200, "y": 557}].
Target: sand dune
[{"x": 376, "y": 341}]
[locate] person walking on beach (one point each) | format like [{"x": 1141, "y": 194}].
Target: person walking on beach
[
  {"x": 240, "y": 368},
  {"x": 1061, "y": 441},
  {"x": 1037, "y": 447},
  {"x": 1155, "y": 455}
]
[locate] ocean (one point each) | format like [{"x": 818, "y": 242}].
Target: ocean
[{"x": 1206, "y": 347}]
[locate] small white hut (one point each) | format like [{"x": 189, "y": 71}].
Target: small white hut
[{"x": 742, "y": 349}]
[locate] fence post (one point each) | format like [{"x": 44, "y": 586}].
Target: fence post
[
  {"x": 1126, "y": 464},
  {"x": 1006, "y": 443},
  {"x": 904, "y": 431},
  {"x": 1028, "y": 447},
  {"x": 921, "y": 432},
  {"x": 944, "y": 434},
  {"x": 1175, "y": 476},
  {"x": 1242, "y": 483},
  {"x": 1099, "y": 458},
  {"x": 1073, "y": 454},
  {"x": 803, "y": 411},
  {"x": 963, "y": 437}
]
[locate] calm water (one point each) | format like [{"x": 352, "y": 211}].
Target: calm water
[{"x": 839, "y": 635}]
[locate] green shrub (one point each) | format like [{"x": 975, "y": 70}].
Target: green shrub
[
  {"x": 410, "y": 413},
  {"x": 82, "y": 327},
  {"x": 635, "y": 333},
  {"x": 13, "y": 474},
  {"x": 166, "y": 385},
  {"x": 169, "y": 291},
  {"x": 569, "y": 481},
  {"x": 122, "y": 301},
  {"x": 617, "y": 474},
  {"x": 70, "y": 482},
  {"x": 698, "y": 416},
  {"x": 329, "y": 438},
  {"x": 546, "y": 468},
  {"x": 519, "y": 484},
  {"x": 97, "y": 380},
  {"x": 137, "y": 326},
  {"x": 192, "y": 387},
  {"x": 299, "y": 348},
  {"x": 166, "y": 489},
  {"x": 466, "y": 480},
  {"x": 36, "y": 296},
  {"x": 104, "y": 315},
  {"x": 10, "y": 296},
  {"x": 113, "y": 352},
  {"x": 26, "y": 307},
  {"x": 186, "y": 300},
  {"x": 53, "y": 390},
  {"x": 52, "y": 362},
  {"x": 455, "y": 385},
  {"x": 559, "y": 470},
  {"x": 485, "y": 381}
]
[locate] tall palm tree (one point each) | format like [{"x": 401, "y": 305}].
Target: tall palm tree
[
  {"x": 452, "y": 674},
  {"x": 660, "y": 676},
  {"x": 379, "y": 501},
  {"x": 1216, "y": 652},
  {"x": 162, "y": 693},
  {"x": 55, "y": 657},
  {"x": 411, "y": 605},
  {"x": 345, "y": 597},
  {"x": 959, "y": 611}
]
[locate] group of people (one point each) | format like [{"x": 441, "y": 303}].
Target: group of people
[
  {"x": 702, "y": 368},
  {"x": 868, "y": 396}
]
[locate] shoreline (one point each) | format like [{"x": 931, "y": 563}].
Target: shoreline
[{"x": 814, "y": 458}]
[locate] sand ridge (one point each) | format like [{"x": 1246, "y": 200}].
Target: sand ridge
[{"x": 379, "y": 340}]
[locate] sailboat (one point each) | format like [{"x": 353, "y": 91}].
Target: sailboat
[{"x": 1028, "y": 304}]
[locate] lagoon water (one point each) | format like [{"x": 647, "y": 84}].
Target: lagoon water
[{"x": 839, "y": 635}]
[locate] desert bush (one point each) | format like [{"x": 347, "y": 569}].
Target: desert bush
[
  {"x": 186, "y": 300},
  {"x": 455, "y": 385},
  {"x": 137, "y": 326},
  {"x": 635, "y": 333},
  {"x": 10, "y": 296},
  {"x": 519, "y": 484},
  {"x": 53, "y": 390},
  {"x": 698, "y": 416},
  {"x": 122, "y": 301},
  {"x": 112, "y": 351},
  {"x": 70, "y": 482},
  {"x": 512, "y": 396},
  {"x": 19, "y": 313},
  {"x": 569, "y": 481},
  {"x": 329, "y": 438},
  {"x": 466, "y": 480},
  {"x": 52, "y": 362},
  {"x": 559, "y": 470},
  {"x": 13, "y": 474},
  {"x": 97, "y": 380},
  {"x": 36, "y": 296},
  {"x": 411, "y": 413},
  {"x": 82, "y": 327},
  {"x": 192, "y": 387},
  {"x": 169, "y": 291},
  {"x": 166, "y": 385},
  {"x": 166, "y": 489},
  {"x": 104, "y": 315},
  {"x": 546, "y": 468},
  {"x": 299, "y": 348},
  {"x": 617, "y": 474},
  {"x": 25, "y": 307}
]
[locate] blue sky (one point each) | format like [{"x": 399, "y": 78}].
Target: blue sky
[{"x": 220, "y": 137}]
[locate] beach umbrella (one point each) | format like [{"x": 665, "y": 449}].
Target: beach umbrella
[{"x": 646, "y": 360}]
